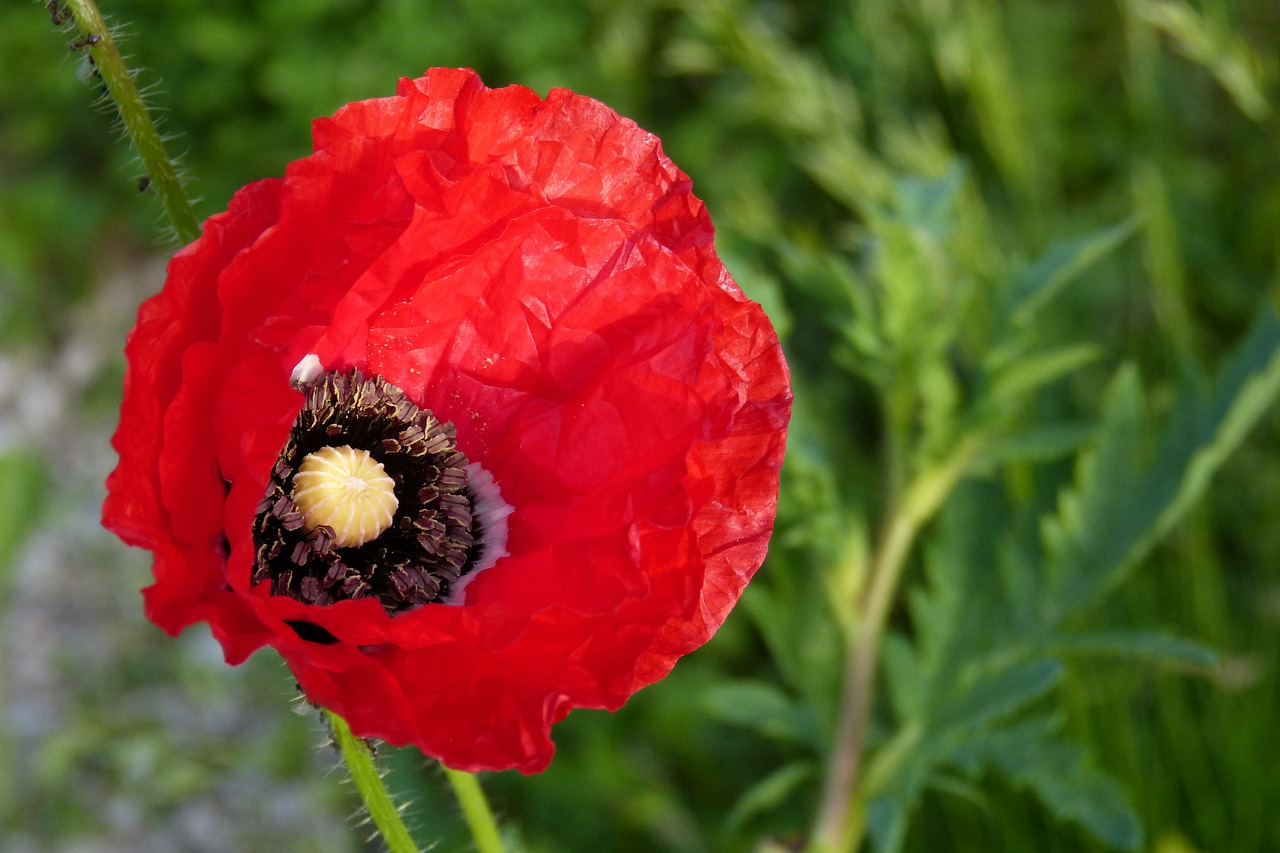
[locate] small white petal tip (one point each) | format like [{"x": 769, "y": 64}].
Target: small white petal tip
[{"x": 306, "y": 370}]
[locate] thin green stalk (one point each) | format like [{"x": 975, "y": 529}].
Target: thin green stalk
[
  {"x": 841, "y": 817},
  {"x": 96, "y": 39},
  {"x": 475, "y": 808},
  {"x": 368, "y": 781}
]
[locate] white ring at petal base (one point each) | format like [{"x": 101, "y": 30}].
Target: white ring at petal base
[{"x": 489, "y": 512}]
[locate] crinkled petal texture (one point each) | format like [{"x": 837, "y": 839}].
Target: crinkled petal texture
[{"x": 538, "y": 273}]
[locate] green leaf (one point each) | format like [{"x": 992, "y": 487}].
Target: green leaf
[
  {"x": 1230, "y": 58},
  {"x": 1022, "y": 377},
  {"x": 999, "y": 695},
  {"x": 887, "y": 824},
  {"x": 952, "y": 616},
  {"x": 795, "y": 621},
  {"x": 1042, "y": 281},
  {"x": 769, "y": 793},
  {"x": 910, "y": 257},
  {"x": 1209, "y": 426},
  {"x": 762, "y": 708},
  {"x": 1156, "y": 647},
  {"x": 1120, "y": 507},
  {"x": 1032, "y": 755},
  {"x": 980, "y": 668},
  {"x": 902, "y": 677},
  {"x": 1042, "y": 443},
  {"x": 1096, "y": 521},
  {"x": 930, "y": 205},
  {"x": 911, "y": 268}
]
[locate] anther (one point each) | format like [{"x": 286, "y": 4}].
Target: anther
[{"x": 370, "y": 497}]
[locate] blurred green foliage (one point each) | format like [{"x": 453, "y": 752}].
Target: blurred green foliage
[{"x": 1048, "y": 225}]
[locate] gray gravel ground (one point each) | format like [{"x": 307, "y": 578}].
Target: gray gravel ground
[{"x": 113, "y": 736}]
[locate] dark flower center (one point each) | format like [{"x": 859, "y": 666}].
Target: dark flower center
[{"x": 369, "y": 497}]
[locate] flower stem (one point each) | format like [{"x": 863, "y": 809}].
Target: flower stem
[
  {"x": 95, "y": 37},
  {"x": 359, "y": 759},
  {"x": 841, "y": 816},
  {"x": 475, "y": 808}
]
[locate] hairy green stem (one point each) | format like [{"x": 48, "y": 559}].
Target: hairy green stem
[
  {"x": 475, "y": 808},
  {"x": 368, "y": 781},
  {"x": 841, "y": 816},
  {"x": 95, "y": 37}
]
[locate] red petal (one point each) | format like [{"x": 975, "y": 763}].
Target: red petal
[{"x": 540, "y": 274}]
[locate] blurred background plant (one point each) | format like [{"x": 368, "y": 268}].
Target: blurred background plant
[{"x": 1022, "y": 256}]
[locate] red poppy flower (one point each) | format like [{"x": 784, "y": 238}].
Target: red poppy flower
[{"x": 537, "y": 274}]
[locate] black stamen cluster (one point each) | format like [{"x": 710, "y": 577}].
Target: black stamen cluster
[{"x": 430, "y": 543}]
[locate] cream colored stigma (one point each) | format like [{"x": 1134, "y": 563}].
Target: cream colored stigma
[{"x": 348, "y": 490}]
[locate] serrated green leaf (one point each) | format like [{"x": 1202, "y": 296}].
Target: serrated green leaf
[
  {"x": 902, "y": 676},
  {"x": 912, "y": 265},
  {"x": 826, "y": 278},
  {"x": 1042, "y": 281},
  {"x": 960, "y": 788},
  {"x": 1021, "y": 378},
  {"x": 887, "y": 824},
  {"x": 769, "y": 793},
  {"x": 1120, "y": 507},
  {"x": 956, "y": 607},
  {"x": 940, "y": 397},
  {"x": 1042, "y": 443},
  {"x": 1031, "y": 754},
  {"x": 762, "y": 708},
  {"x": 973, "y": 674},
  {"x": 1023, "y": 588},
  {"x": 1088, "y": 529},
  {"x": 1229, "y": 57},
  {"x": 848, "y": 571},
  {"x": 930, "y": 205},
  {"x": 909, "y": 265},
  {"x": 1207, "y": 428},
  {"x": 1142, "y": 646},
  {"x": 794, "y": 617},
  {"x": 804, "y": 642},
  {"x": 994, "y": 698}
]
